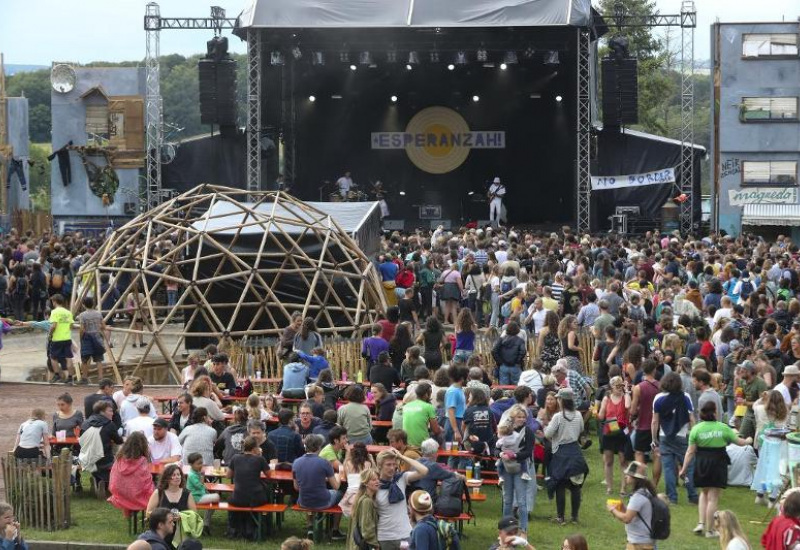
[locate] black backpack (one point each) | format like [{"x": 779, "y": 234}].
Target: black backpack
[
  {"x": 660, "y": 518},
  {"x": 746, "y": 290},
  {"x": 449, "y": 501}
]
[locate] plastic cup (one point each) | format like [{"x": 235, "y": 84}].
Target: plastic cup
[
  {"x": 61, "y": 435},
  {"x": 272, "y": 466},
  {"x": 469, "y": 473},
  {"x": 617, "y": 503},
  {"x": 217, "y": 464},
  {"x": 476, "y": 490},
  {"x": 258, "y": 375},
  {"x": 448, "y": 446}
]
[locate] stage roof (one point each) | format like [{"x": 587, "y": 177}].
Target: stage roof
[{"x": 300, "y": 14}]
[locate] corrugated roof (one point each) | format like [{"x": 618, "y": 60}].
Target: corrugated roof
[{"x": 771, "y": 214}]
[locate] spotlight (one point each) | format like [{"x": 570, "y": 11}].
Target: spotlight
[
  {"x": 353, "y": 67},
  {"x": 276, "y": 58},
  {"x": 365, "y": 58},
  {"x": 402, "y": 193},
  {"x": 510, "y": 57},
  {"x": 312, "y": 98},
  {"x": 344, "y": 56},
  {"x": 451, "y": 67},
  {"x": 461, "y": 58},
  {"x": 471, "y": 193},
  {"x": 434, "y": 56},
  {"x": 413, "y": 58},
  {"x": 475, "y": 99},
  {"x": 409, "y": 67},
  {"x": 529, "y": 52},
  {"x": 482, "y": 56},
  {"x": 318, "y": 58},
  {"x": 296, "y": 52},
  {"x": 394, "y": 99},
  {"x": 391, "y": 56},
  {"x": 559, "y": 99},
  {"x": 551, "y": 58},
  {"x": 503, "y": 66}
]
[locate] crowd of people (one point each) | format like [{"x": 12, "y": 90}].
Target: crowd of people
[{"x": 521, "y": 348}]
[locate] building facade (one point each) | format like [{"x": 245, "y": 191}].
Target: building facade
[{"x": 755, "y": 130}]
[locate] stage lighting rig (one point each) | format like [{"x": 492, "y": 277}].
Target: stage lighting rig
[
  {"x": 394, "y": 99},
  {"x": 476, "y": 98},
  {"x": 551, "y": 58},
  {"x": 391, "y": 55},
  {"x": 365, "y": 58},
  {"x": 276, "y": 59},
  {"x": 413, "y": 58},
  {"x": 559, "y": 99},
  {"x": 318, "y": 58},
  {"x": 510, "y": 58},
  {"x": 297, "y": 53},
  {"x": 482, "y": 56},
  {"x": 503, "y": 66},
  {"x": 312, "y": 98},
  {"x": 344, "y": 56},
  {"x": 461, "y": 58},
  {"x": 451, "y": 67},
  {"x": 353, "y": 67},
  {"x": 529, "y": 52}
]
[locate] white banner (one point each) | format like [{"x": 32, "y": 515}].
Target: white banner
[
  {"x": 667, "y": 175},
  {"x": 763, "y": 195}
]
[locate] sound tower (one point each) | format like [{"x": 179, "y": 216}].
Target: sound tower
[
  {"x": 620, "y": 92},
  {"x": 217, "y": 79}
]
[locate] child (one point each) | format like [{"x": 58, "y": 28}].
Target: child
[
  {"x": 196, "y": 486},
  {"x": 254, "y": 409},
  {"x": 316, "y": 362},
  {"x": 509, "y": 441}
]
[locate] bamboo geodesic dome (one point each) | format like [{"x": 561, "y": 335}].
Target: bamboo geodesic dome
[{"x": 242, "y": 263}]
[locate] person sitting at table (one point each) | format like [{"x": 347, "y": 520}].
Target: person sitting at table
[
  {"x": 288, "y": 443},
  {"x": 131, "y": 481},
  {"x": 316, "y": 362},
  {"x": 385, "y": 402},
  {"x": 33, "y": 437},
  {"x": 365, "y": 510},
  {"x": 436, "y": 471},
  {"x": 129, "y": 408},
  {"x": 316, "y": 399},
  {"x": 255, "y": 410},
  {"x": 419, "y": 416},
  {"x": 382, "y": 372},
  {"x": 220, "y": 377},
  {"x": 355, "y": 416},
  {"x": 201, "y": 397},
  {"x": 199, "y": 437},
  {"x": 334, "y": 452},
  {"x": 164, "y": 445},
  {"x": 171, "y": 493},
  {"x": 295, "y": 377},
  {"x": 231, "y": 439},
  {"x": 329, "y": 419},
  {"x": 195, "y": 483},
  {"x": 255, "y": 428},
  {"x": 127, "y": 385},
  {"x": 188, "y": 372},
  {"x": 307, "y": 421},
  {"x": 142, "y": 423},
  {"x": 67, "y": 419},
  {"x": 182, "y": 416},
  {"x": 331, "y": 389},
  {"x": 249, "y": 490},
  {"x": 357, "y": 459},
  {"x": 399, "y": 440},
  {"x": 99, "y": 424},
  {"x": 271, "y": 405},
  {"x": 105, "y": 391},
  {"x": 311, "y": 474}
]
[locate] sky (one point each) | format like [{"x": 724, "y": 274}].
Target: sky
[{"x": 81, "y": 31}]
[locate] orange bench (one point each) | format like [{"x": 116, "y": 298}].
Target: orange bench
[
  {"x": 256, "y": 511},
  {"x": 458, "y": 520},
  {"x": 323, "y": 519}
]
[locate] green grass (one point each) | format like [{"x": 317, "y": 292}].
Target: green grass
[{"x": 96, "y": 521}]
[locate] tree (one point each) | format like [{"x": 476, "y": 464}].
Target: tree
[{"x": 40, "y": 177}]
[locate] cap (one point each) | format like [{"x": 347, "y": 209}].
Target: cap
[
  {"x": 160, "y": 423},
  {"x": 747, "y": 365},
  {"x": 791, "y": 370},
  {"x": 421, "y": 501},
  {"x": 734, "y": 345},
  {"x": 508, "y": 523},
  {"x": 637, "y": 470},
  {"x": 496, "y": 180},
  {"x": 565, "y": 393}
]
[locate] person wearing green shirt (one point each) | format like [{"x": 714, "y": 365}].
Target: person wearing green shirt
[
  {"x": 708, "y": 440},
  {"x": 419, "y": 416},
  {"x": 753, "y": 386},
  {"x": 196, "y": 486},
  {"x": 333, "y": 452},
  {"x": 61, "y": 339}
]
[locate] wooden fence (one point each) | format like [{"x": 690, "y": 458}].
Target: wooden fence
[
  {"x": 39, "y": 490},
  {"x": 38, "y": 222}
]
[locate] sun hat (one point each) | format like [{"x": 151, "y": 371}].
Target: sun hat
[
  {"x": 421, "y": 501},
  {"x": 637, "y": 470}
]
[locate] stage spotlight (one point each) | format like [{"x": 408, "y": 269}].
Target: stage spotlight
[
  {"x": 312, "y": 98},
  {"x": 482, "y": 56},
  {"x": 451, "y": 67},
  {"x": 510, "y": 58},
  {"x": 434, "y": 56},
  {"x": 353, "y": 67},
  {"x": 344, "y": 57},
  {"x": 276, "y": 58},
  {"x": 475, "y": 99},
  {"x": 471, "y": 193},
  {"x": 503, "y": 66},
  {"x": 529, "y": 52},
  {"x": 551, "y": 58},
  {"x": 365, "y": 58},
  {"x": 296, "y": 52},
  {"x": 461, "y": 58},
  {"x": 409, "y": 67},
  {"x": 402, "y": 193},
  {"x": 391, "y": 56},
  {"x": 318, "y": 58},
  {"x": 559, "y": 99},
  {"x": 394, "y": 99},
  {"x": 413, "y": 58}
]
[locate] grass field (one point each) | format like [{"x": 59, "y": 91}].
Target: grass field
[{"x": 99, "y": 522}]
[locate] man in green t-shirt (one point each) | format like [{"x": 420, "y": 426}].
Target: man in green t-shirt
[
  {"x": 334, "y": 452},
  {"x": 60, "y": 337},
  {"x": 753, "y": 386},
  {"x": 419, "y": 416}
]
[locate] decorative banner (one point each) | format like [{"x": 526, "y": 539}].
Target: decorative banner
[
  {"x": 763, "y": 195},
  {"x": 438, "y": 140},
  {"x": 667, "y": 175}
]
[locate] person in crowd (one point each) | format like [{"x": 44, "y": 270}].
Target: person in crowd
[
  {"x": 575, "y": 542},
  {"x": 771, "y": 413},
  {"x": 355, "y": 416},
  {"x": 220, "y": 377},
  {"x": 171, "y": 492},
  {"x": 255, "y": 428},
  {"x": 312, "y": 476},
  {"x": 329, "y": 419},
  {"x": 643, "y": 395},
  {"x": 508, "y": 536},
  {"x": 188, "y": 372},
  {"x": 196, "y": 485},
  {"x": 425, "y": 534},
  {"x": 731, "y": 535},
  {"x": 513, "y": 468},
  {"x": 162, "y": 524},
  {"x": 364, "y": 517},
  {"x": 783, "y": 531},
  {"x": 286, "y": 342},
  {"x": 131, "y": 483},
  {"x": 752, "y": 386},
  {"x": 509, "y": 353},
  {"x": 249, "y": 490},
  {"x": 373, "y": 346},
  {"x": 465, "y": 333},
  {"x": 231, "y": 439},
  {"x": 432, "y": 340},
  {"x": 33, "y": 437},
  {"x": 316, "y": 361},
  {"x": 335, "y": 448},
  {"x": 707, "y": 441},
  {"x": 385, "y": 402},
  {"x": 307, "y": 338},
  {"x": 306, "y": 421},
  {"x": 143, "y": 422},
  {"x": 182, "y": 416},
  {"x": 10, "y": 531},
  {"x": 399, "y": 345},
  {"x": 100, "y": 425},
  {"x": 614, "y": 415},
  {"x": 203, "y": 397},
  {"x": 295, "y": 377},
  {"x": 92, "y": 329},
  {"x": 637, "y": 515},
  {"x": 66, "y": 418},
  {"x": 436, "y": 472},
  {"x": 479, "y": 425},
  {"x": 356, "y": 461},
  {"x": 288, "y": 443},
  {"x": 199, "y": 437},
  {"x": 129, "y": 406},
  {"x": 398, "y": 439},
  {"x": 382, "y": 372},
  {"x": 60, "y": 338},
  {"x": 394, "y": 526},
  {"x": 105, "y": 391},
  {"x": 419, "y": 416},
  {"x": 164, "y": 445}
]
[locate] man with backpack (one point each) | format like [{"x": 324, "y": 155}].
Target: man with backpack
[{"x": 429, "y": 533}]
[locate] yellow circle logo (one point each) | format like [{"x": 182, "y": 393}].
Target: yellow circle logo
[{"x": 436, "y": 147}]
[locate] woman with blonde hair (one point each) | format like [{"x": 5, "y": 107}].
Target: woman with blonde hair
[
  {"x": 364, "y": 522},
  {"x": 771, "y": 413},
  {"x": 202, "y": 397},
  {"x": 731, "y": 536}
]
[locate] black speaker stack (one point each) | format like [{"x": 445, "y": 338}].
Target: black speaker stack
[
  {"x": 217, "y": 72},
  {"x": 620, "y": 92}
]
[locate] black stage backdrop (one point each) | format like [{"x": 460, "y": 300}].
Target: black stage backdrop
[
  {"x": 537, "y": 165},
  {"x": 622, "y": 153},
  {"x": 217, "y": 159}
]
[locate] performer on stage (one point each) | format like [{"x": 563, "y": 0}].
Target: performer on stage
[
  {"x": 496, "y": 193},
  {"x": 380, "y": 195},
  {"x": 345, "y": 183}
]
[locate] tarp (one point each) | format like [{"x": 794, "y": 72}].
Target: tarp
[{"x": 299, "y": 14}]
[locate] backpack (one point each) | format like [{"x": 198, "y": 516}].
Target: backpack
[
  {"x": 448, "y": 536},
  {"x": 505, "y": 311},
  {"x": 486, "y": 293},
  {"x": 21, "y": 286},
  {"x": 245, "y": 389},
  {"x": 506, "y": 286},
  {"x": 660, "y": 518},
  {"x": 449, "y": 501},
  {"x": 746, "y": 290},
  {"x": 57, "y": 279}
]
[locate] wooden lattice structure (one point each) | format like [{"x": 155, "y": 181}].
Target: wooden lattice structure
[{"x": 237, "y": 262}]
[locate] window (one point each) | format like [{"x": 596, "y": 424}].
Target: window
[
  {"x": 755, "y": 109},
  {"x": 776, "y": 173},
  {"x": 97, "y": 121},
  {"x": 769, "y": 45}
]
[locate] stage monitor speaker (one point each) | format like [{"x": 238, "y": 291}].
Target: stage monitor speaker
[
  {"x": 620, "y": 92},
  {"x": 217, "y": 91},
  {"x": 484, "y": 223},
  {"x": 444, "y": 223},
  {"x": 393, "y": 225}
]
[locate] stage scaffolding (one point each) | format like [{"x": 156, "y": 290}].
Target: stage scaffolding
[{"x": 583, "y": 182}]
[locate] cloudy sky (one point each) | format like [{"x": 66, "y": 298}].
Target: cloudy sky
[{"x": 41, "y": 31}]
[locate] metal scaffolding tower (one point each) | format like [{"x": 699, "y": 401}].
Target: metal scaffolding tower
[
  {"x": 584, "y": 125},
  {"x": 688, "y": 24},
  {"x": 253, "y": 110}
]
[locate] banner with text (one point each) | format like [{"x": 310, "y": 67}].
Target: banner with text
[
  {"x": 763, "y": 195},
  {"x": 667, "y": 175}
]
